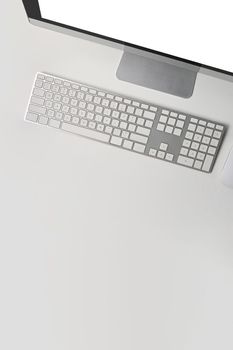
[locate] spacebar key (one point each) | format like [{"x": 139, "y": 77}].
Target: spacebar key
[{"x": 86, "y": 132}]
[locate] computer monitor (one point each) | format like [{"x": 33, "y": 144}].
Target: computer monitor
[{"x": 162, "y": 50}]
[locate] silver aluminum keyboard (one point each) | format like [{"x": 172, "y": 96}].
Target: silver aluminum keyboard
[{"x": 124, "y": 122}]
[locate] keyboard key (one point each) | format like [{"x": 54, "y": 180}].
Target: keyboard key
[
  {"x": 200, "y": 129},
  {"x": 113, "y": 104},
  {"x": 169, "y": 157},
  {"x": 171, "y": 121},
  {"x": 128, "y": 144},
  {"x": 148, "y": 124},
  {"x": 115, "y": 114},
  {"x": 58, "y": 98},
  {"x": 189, "y": 135},
  {"x": 92, "y": 125},
  {"x": 177, "y": 131},
  {"x": 138, "y": 138},
  {"x": 75, "y": 120},
  {"x": 125, "y": 134},
  {"x": 57, "y": 106},
  {"x": 161, "y": 154},
  {"x": 49, "y": 95},
  {"x": 180, "y": 124},
  {"x": 37, "y": 109},
  {"x": 46, "y": 86},
  {"x": 186, "y": 143},
  {"x": 49, "y": 104},
  {"x": 107, "y": 120},
  {"x": 217, "y": 134},
  {"x": 122, "y": 107},
  {"x": 207, "y": 163},
  {"x": 124, "y": 117},
  {"x": 214, "y": 142},
  {"x": 55, "y": 88},
  {"x": 192, "y": 127},
  {"x": 117, "y": 132},
  {"x": 169, "y": 129},
  {"x": 43, "y": 120},
  {"x": 149, "y": 115},
  {"x": 38, "y": 92},
  {"x": 54, "y": 123},
  {"x": 194, "y": 120},
  {"x": 202, "y": 122},
  {"x": 130, "y": 109},
  {"x": 132, "y": 119},
  {"x": 90, "y": 116},
  {"x": 211, "y": 125},
  {"x": 108, "y": 129},
  {"x": 203, "y": 148},
  {"x": 85, "y": 132},
  {"x": 183, "y": 117},
  {"x": 58, "y": 115},
  {"x": 163, "y": 119},
  {"x": 140, "y": 121},
  {"x": 67, "y": 118},
  {"x": 212, "y": 150},
  {"x": 100, "y": 127},
  {"x": 116, "y": 140},
  {"x": 198, "y": 164},
  {"x": 192, "y": 153},
  {"x": 50, "y": 79},
  {"x": 32, "y": 117},
  {"x": 163, "y": 146},
  {"x": 143, "y": 131},
  {"x": 139, "y": 148},
  {"x": 73, "y": 110},
  {"x": 132, "y": 127},
  {"x": 152, "y": 152},
  {"x": 160, "y": 127},
  {"x": 200, "y": 156},
  {"x": 197, "y": 137},
  {"x": 184, "y": 151},
  {"x": 195, "y": 145},
  {"x": 206, "y": 140},
  {"x": 39, "y": 83},
  {"x": 185, "y": 161},
  {"x": 115, "y": 123},
  {"x": 123, "y": 125},
  {"x": 208, "y": 132},
  {"x": 138, "y": 112}
]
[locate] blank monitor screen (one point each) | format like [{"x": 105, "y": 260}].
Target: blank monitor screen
[{"x": 198, "y": 31}]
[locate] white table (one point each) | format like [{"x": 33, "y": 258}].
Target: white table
[{"x": 101, "y": 248}]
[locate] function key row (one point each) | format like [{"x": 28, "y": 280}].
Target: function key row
[
  {"x": 195, "y": 122},
  {"x": 173, "y": 114}
]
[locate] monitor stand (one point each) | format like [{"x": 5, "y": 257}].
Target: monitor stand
[{"x": 157, "y": 72}]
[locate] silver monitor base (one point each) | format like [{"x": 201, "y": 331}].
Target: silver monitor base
[{"x": 159, "y": 73}]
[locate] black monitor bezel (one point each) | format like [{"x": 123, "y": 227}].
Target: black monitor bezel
[{"x": 33, "y": 11}]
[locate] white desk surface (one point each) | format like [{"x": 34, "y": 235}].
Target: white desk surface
[{"x": 101, "y": 248}]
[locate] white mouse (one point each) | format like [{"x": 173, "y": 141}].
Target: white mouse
[{"x": 227, "y": 173}]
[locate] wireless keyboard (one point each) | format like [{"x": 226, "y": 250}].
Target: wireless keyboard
[{"x": 124, "y": 122}]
